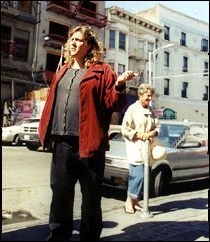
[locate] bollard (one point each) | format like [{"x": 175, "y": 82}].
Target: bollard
[{"x": 146, "y": 213}]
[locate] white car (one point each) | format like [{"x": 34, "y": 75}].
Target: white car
[
  {"x": 11, "y": 134},
  {"x": 29, "y": 134},
  {"x": 187, "y": 158}
]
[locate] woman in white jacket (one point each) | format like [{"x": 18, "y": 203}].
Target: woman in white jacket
[{"x": 139, "y": 124}]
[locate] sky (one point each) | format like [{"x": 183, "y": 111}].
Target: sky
[{"x": 195, "y": 9}]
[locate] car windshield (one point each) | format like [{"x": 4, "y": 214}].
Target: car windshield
[
  {"x": 26, "y": 121},
  {"x": 118, "y": 137},
  {"x": 34, "y": 120},
  {"x": 171, "y": 133}
]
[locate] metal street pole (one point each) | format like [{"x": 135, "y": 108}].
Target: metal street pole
[{"x": 146, "y": 213}]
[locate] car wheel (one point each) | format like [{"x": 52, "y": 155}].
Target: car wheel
[
  {"x": 32, "y": 147},
  {"x": 159, "y": 183},
  {"x": 17, "y": 140}
]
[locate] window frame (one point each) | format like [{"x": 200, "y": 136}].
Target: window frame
[
  {"x": 184, "y": 90},
  {"x": 55, "y": 35},
  {"x": 111, "y": 38},
  {"x": 166, "y": 32},
  {"x": 185, "y": 64},
  {"x": 206, "y": 68},
  {"x": 183, "y": 39},
  {"x": 21, "y": 53},
  {"x": 123, "y": 69},
  {"x": 166, "y": 59},
  {"x": 204, "y": 45},
  {"x": 122, "y": 47},
  {"x": 166, "y": 86}
]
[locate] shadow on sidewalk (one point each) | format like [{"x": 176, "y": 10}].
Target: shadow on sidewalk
[
  {"x": 168, "y": 230},
  {"x": 35, "y": 233},
  {"x": 144, "y": 231},
  {"x": 163, "y": 231},
  {"x": 41, "y": 232},
  {"x": 195, "y": 203}
]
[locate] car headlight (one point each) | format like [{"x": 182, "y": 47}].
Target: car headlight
[
  {"x": 120, "y": 163},
  {"x": 6, "y": 131}
]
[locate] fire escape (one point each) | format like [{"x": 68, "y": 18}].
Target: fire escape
[
  {"x": 84, "y": 12},
  {"x": 16, "y": 45},
  {"x": 78, "y": 12}
]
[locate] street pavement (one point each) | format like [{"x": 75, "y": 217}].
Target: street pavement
[
  {"x": 175, "y": 218},
  {"x": 181, "y": 216}
]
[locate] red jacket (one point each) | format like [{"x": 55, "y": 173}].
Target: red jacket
[{"x": 98, "y": 100}]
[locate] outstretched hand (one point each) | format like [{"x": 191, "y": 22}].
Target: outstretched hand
[{"x": 126, "y": 76}]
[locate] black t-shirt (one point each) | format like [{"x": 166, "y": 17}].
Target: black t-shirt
[{"x": 66, "y": 112}]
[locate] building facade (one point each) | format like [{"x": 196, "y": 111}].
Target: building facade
[
  {"x": 167, "y": 48},
  {"x": 57, "y": 18},
  {"x": 18, "y": 33},
  {"x": 128, "y": 41},
  {"x": 178, "y": 64},
  {"x": 181, "y": 71},
  {"x": 33, "y": 33}
]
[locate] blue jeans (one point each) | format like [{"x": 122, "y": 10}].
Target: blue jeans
[{"x": 135, "y": 181}]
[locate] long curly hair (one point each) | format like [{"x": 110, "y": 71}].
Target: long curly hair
[{"x": 95, "y": 53}]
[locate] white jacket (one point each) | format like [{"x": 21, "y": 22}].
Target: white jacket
[{"x": 137, "y": 119}]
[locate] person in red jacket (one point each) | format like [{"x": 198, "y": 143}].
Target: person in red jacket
[{"x": 83, "y": 95}]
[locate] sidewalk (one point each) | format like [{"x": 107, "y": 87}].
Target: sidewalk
[{"x": 179, "y": 217}]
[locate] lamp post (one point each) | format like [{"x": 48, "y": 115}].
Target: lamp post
[{"x": 150, "y": 60}]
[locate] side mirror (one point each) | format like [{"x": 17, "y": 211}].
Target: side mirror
[{"x": 192, "y": 144}]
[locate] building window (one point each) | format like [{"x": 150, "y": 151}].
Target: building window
[
  {"x": 122, "y": 41},
  {"x": 5, "y": 42},
  {"x": 166, "y": 33},
  {"x": 112, "y": 65},
  {"x": 25, "y": 5},
  {"x": 183, "y": 39},
  {"x": 166, "y": 59},
  {"x": 141, "y": 45},
  {"x": 166, "y": 87},
  {"x": 121, "y": 69},
  {"x": 21, "y": 44},
  {"x": 150, "y": 47},
  {"x": 184, "y": 89},
  {"x": 58, "y": 32},
  {"x": 206, "y": 94},
  {"x": 141, "y": 49},
  {"x": 88, "y": 8},
  {"x": 141, "y": 79},
  {"x": 112, "y": 39},
  {"x": 51, "y": 66},
  {"x": 204, "y": 45},
  {"x": 206, "y": 69},
  {"x": 63, "y": 4},
  {"x": 185, "y": 64},
  {"x": 52, "y": 62}
]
